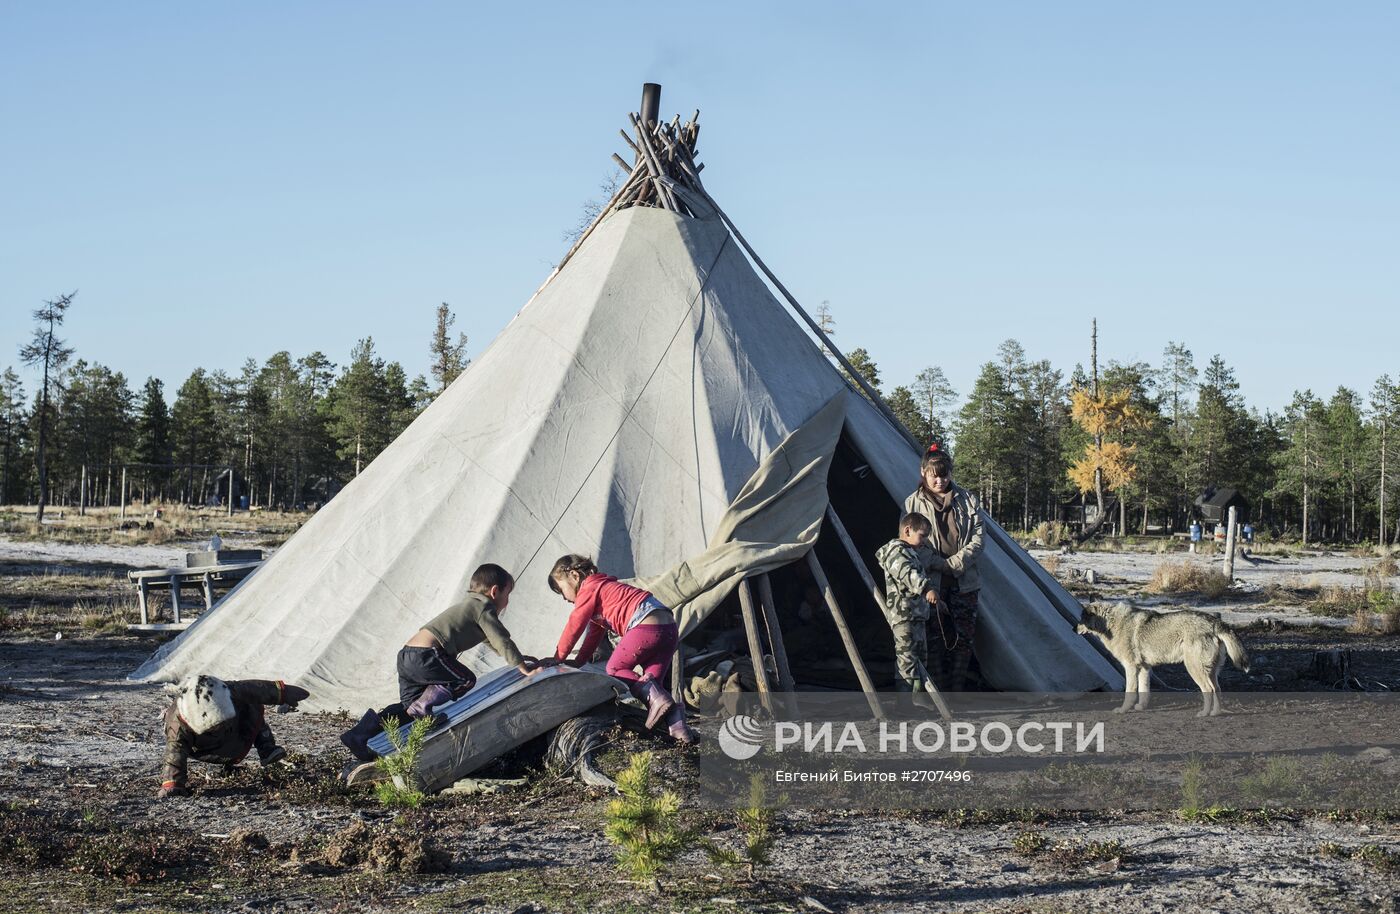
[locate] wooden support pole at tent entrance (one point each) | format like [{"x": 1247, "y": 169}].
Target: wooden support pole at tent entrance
[
  {"x": 840, "y": 619},
  {"x": 760, "y": 671},
  {"x": 123, "y": 493},
  {"x": 775, "y": 633},
  {"x": 678, "y": 674},
  {"x": 879, "y": 596}
]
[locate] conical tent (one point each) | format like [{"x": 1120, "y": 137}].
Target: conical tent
[{"x": 653, "y": 406}]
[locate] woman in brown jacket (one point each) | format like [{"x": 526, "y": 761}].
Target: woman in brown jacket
[{"x": 957, "y": 542}]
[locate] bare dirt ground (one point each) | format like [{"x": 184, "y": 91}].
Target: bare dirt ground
[{"x": 80, "y": 828}]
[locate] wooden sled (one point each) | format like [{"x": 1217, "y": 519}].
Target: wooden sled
[{"x": 506, "y": 709}]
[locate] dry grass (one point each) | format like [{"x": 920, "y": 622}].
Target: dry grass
[
  {"x": 1050, "y": 563},
  {"x": 1385, "y": 567},
  {"x": 1188, "y": 577},
  {"x": 1052, "y": 533},
  {"x": 141, "y": 526}
]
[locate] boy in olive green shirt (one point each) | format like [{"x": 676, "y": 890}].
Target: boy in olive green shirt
[{"x": 429, "y": 672}]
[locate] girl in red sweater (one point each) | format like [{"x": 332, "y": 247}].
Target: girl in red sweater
[{"x": 648, "y": 630}]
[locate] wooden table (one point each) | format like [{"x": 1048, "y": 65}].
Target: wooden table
[{"x": 204, "y": 577}]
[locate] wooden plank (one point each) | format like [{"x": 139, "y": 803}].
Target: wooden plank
[
  {"x": 841, "y": 534},
  {"x": 775, "y": 634},
  {"x": 141, "y": 589},
  {"x": 175, "y": 596},
  {"x": 840, "y": 619},
  {"x": 760, "y": 672},
  {"x": 159, "y": 627}
]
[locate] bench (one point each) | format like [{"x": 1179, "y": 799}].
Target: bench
[{"x": 205, "y": 570}]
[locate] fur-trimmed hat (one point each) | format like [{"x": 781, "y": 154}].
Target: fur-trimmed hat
[{"x": 204, "y": 703}]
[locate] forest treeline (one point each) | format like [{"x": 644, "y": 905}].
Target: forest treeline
[
  {"x": 1024, "y": 440},
  {"x": 293, "y": 429},
  {"x": 1030, "y": 440}
]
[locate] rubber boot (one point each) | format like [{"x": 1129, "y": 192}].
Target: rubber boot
[
  {"x": 922, "y": 698},
  {"x": 432, "y": 696},
  {"x": 357, "y": 738},
  {"x": 658, "y": 700},
  {"x": 677, "y": 727}
]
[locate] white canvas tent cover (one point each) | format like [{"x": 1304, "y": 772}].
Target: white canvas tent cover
[{"x": 636, "y": 410}]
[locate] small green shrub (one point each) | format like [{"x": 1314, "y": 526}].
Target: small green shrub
[
  {"x": 401, "y": 765},
  {"x": 1029, "y": 843},
  {"x": 645, "y": 825},
  {"x": 756, "y": 825},
  {"x": 1281, "y": 779}
]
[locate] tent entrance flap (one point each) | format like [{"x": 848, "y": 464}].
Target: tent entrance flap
[{"x": 774, "y": 520}]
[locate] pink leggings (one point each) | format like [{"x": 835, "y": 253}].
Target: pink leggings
[{"x": 647, "y": 646}]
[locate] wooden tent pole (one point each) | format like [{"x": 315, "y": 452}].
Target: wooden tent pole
[
  {"x": 678, "y": 675},
  {"x": 775, "y": 633},
  {"x": 840, "y": 619},
  {"x": 879, "y": 595},
  {"x": 760, "y": 672}
]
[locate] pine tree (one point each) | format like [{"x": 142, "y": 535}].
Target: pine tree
[
  {"x": 983, "y": 452},
  {"x": 1176, "y": 379},
  {"x": 1300, "y": 465},
  {"x": 153, "y": 437},
  {"x": 644, "y": 824},
  {"x": 448, "y": 358},
  {"x": 50, "y": 353},
  {"x": 907, "y": 411},
  {"x": 862, "y": 362},
  {"x": 194, "y": 433},
  {"x": 1344, "y": 450},
  {"x": 934, "y": 394},
  {"x": 12, "y": 424},
  {"x": 1385, "y": 448}
]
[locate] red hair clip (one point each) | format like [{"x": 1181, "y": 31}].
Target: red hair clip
[{"x": 933, "y": 448}]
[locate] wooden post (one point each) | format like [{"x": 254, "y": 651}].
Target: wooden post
[
  {"x": 82, "y": 493},
  {"x": 678, "y": 675},
  {"x": 775, "y": 634},
  {"x": 142, "y": 593},
  {"x": 1231, "y": 529},
  {"x": 760, "y": 672},
  {"x": 879, "y": 596},
  {"x": 840, "y": 619},
  {"x": 175, "y": 597},
  {"x": 123, "y": 515}
]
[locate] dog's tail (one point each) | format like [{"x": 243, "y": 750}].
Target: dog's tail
[{"x": 1238, "y": 655}]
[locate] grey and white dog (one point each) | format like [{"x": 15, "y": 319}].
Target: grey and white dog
[{"x": 1140, "y": 639}]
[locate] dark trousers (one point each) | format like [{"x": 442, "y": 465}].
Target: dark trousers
[
  {"x": 950, "y": 636},
  {"x": 420, "y": 667}
]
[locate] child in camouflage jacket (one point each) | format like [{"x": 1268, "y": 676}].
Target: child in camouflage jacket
[{"x": 911, "y": 597}]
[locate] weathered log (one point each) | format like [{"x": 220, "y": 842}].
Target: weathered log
[{"x": 573, "y": 743}]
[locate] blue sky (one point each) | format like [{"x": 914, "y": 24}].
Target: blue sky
[{"x": 220, "y": 182}]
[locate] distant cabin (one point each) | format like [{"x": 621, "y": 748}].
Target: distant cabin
[{"x": 1213, "y": 505}]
